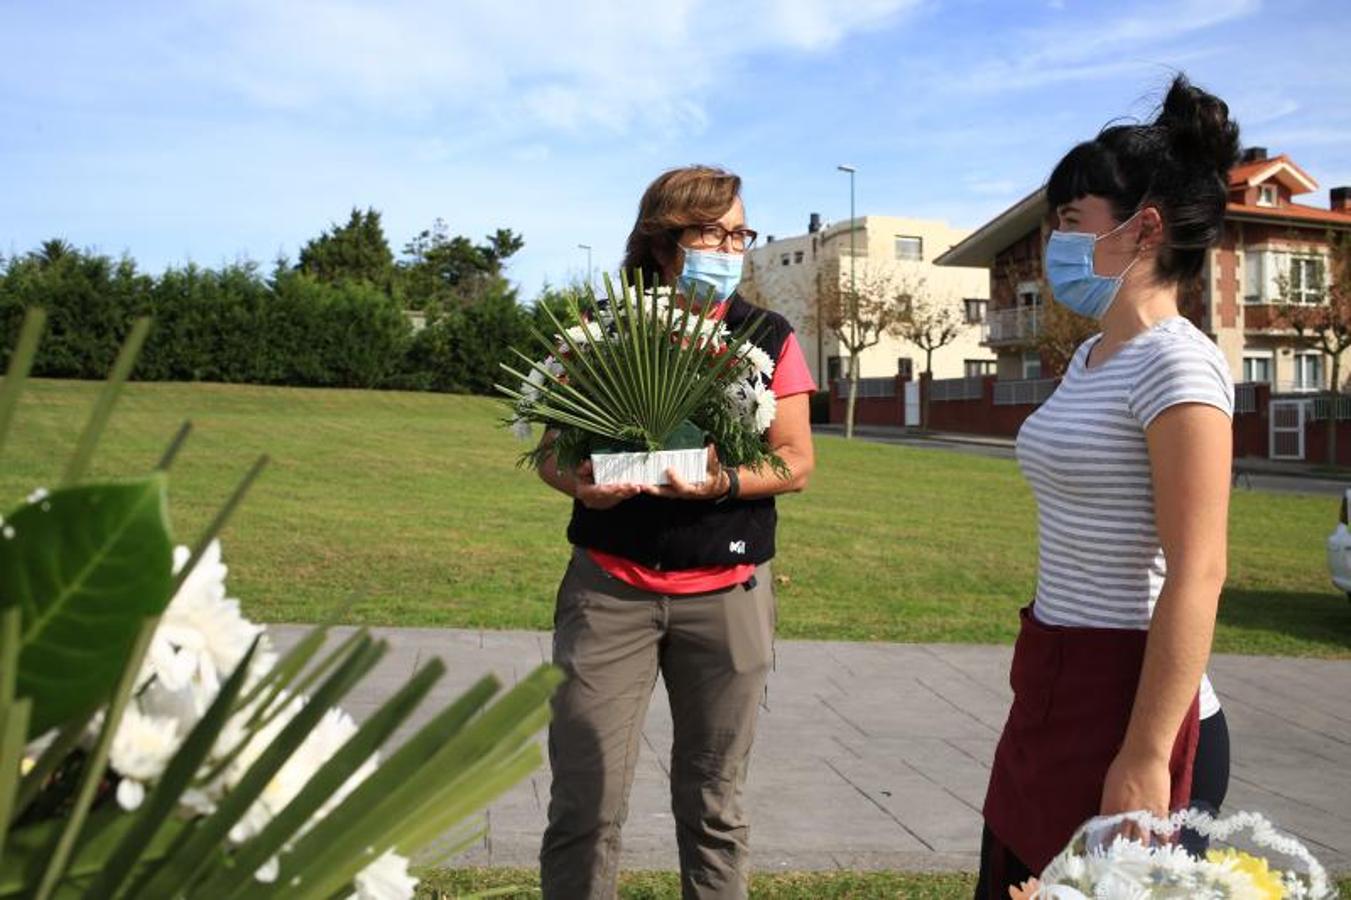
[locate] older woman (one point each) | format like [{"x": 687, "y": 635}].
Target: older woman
[{"x": 673, "y": 579}]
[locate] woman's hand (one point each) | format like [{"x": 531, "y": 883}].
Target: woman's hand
[
  {"x": 711, "y": 488},
  {"x": 1136, "y": 782},
  {"x": 600, "y": 496}
]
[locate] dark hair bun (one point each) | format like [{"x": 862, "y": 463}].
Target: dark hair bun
[{"x": 1198, "y": 127}]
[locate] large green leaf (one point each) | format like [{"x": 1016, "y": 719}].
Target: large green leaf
[{"x": 85, "y": 567}]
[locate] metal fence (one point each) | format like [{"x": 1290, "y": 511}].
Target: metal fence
[
  {"x": 956, "y": 389},
  {"x": 867, "y": 388},
  {"x": 1245, "y": 397},
  {"x": 1319, "y": 413},
  {"x": 1032, "y": 391}
]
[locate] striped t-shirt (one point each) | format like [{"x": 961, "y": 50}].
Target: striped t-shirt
[{"x": 1083, "y": 452}]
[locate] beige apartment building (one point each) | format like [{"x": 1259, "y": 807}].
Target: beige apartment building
[{"x": 786, "y": 275}]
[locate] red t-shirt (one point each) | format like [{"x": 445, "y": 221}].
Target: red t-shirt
[{"x": 791, "y": 376}]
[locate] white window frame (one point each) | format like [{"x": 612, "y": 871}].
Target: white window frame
[
  {"x": 980, "y": 304},
  {"x": 983, "y": 367},
  {"x": 908, "y": 256},
  {"x": 1254, "y": 280},
  {"x": 1301, "y": 383},
  {"x": 1265, "y": 356},
  {"x": 1267, "y": 195},
  {"x": 1029, "y": 288},
  {"x": 1031, "y": 365},
  {"x": 1303, "y": 293}
]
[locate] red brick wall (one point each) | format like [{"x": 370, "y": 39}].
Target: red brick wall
[
  {"x": 1252, "y": 430},
  {"x": 1019, "y": 261},
  {"x": 1226, "y": 284},
  {"x": 870, "y": 410},
  {"x": 978, "y": 416},
  {"x": 1316, "y": 443}
]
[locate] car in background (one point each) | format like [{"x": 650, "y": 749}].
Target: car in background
[{"x": 1339, "y": 551}]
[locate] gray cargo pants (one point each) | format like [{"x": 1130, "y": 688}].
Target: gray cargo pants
[{"x": 714, "y": 652}]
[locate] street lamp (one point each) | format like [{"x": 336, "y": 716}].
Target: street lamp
[
  {"x": 587, "y": 248},
  {"x": 853, "y": 260}
]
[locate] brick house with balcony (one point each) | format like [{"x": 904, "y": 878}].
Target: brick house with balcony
[{"x": 1268, "y": 237}]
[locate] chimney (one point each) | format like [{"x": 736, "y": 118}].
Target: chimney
[
  {"x": 769, "y": 239},
  {"x": 813, "y": 223},
  {"x": 1254, "y": 154},
  {"x": 1340, "y": 199}
]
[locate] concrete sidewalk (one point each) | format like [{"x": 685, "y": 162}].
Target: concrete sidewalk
[{"x": 876, "y": 756}]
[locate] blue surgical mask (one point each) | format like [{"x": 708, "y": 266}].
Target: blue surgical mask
[
  {"x": 1069, "y": 271},
  {"x": 705, "y": 269}
]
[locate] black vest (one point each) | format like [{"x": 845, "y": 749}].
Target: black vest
[{"x": 672, "y": 535}]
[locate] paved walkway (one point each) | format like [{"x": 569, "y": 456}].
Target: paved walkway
[
  {"x": 876, "y": 756},
  {"x": 1249, "y": 473}
]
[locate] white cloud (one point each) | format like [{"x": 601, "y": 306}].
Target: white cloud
[
  {"x": 1079, "y": 48},
  {"x": 586, "y": 64}
]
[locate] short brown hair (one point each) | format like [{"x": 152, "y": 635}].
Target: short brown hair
[{"x": 679, "y": 198}]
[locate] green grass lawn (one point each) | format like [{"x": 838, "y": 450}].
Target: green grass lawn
[{"x": 410, "y": 507}]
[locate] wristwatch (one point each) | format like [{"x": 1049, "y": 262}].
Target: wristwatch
[{"x": 733, "y": 485}]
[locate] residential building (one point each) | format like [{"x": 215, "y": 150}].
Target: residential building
[
  {"x": 1267, "y": 238},
  {"x": 787, "y": 275}
]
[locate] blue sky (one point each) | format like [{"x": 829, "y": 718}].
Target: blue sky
[{"x": 210, "y": 131}]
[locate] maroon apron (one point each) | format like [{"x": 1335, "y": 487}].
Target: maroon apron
[{"x": 1073, "y": 691}]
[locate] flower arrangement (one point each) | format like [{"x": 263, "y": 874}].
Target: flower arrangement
[
  {"x": 152, "y": 742},
  {"x": 637, "y": 374},
  {"x": 1135, "y": 856}
]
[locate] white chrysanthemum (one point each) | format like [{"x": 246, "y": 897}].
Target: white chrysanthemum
[
  {"x": 141, "y": 749},
  {"x": 583, "y": 335},
  {"x": 742, "y": 398},
  {"x": 203, "y": 635},
  {"x": 766, "y": 406},
  {"x": 385, "y": 879},
  {"x": 760, "y": 362},
  {"x": 520, "y": 428},
  {"x": 332, "y": 731}
]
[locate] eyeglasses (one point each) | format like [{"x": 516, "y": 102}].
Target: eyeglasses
[{"x": 706, "y": 237}]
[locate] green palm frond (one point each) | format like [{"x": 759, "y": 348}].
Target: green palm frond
[{"x": 633, "y": 373}]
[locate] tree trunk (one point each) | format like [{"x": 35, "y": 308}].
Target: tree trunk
[
  {"x": 853, "y": 395},
  {"x": 926, "y": 390},
  {"x": 1333, "y": 394}
]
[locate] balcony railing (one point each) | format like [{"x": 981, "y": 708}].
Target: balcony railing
[
  {"x": 1034, "y": 391},
  {"x": 943, "y": 389},
  {"x": 1011, "y": 326}
]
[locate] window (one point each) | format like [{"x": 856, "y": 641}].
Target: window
[
  {"x": 975, "y": 310},
  {"x": 905, "y": 367},
  {"x": 1266, "y": 195},
  {"x": 1253, "y": 269},
  {"x": 797, "y": 256},
  {"x": 1306, "y": 279},
  {"x": 1031, "y": 364},
  {"x": 977, "y": 367},
  {"x": 834, "y": 368},
  {"x": 1308, "y": 371},
  {"x": 784, "y": 259},
  {"x": 1257, "y": 368},
  {"x": 1029, "y": 293},
  {"x": 909, "y": 248}
]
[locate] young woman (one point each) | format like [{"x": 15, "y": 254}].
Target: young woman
[
  {"x": 673, "y": 579},
  {"x": 1129, "y": 461}
]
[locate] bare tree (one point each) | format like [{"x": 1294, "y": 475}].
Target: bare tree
[
  {"x": 1317, "y": 307},
  {"x": 931, "y": 324},
  {"x": 859, "y": 311}
]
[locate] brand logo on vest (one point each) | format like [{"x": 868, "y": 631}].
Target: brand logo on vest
[{"x": 737, "y": 547}]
